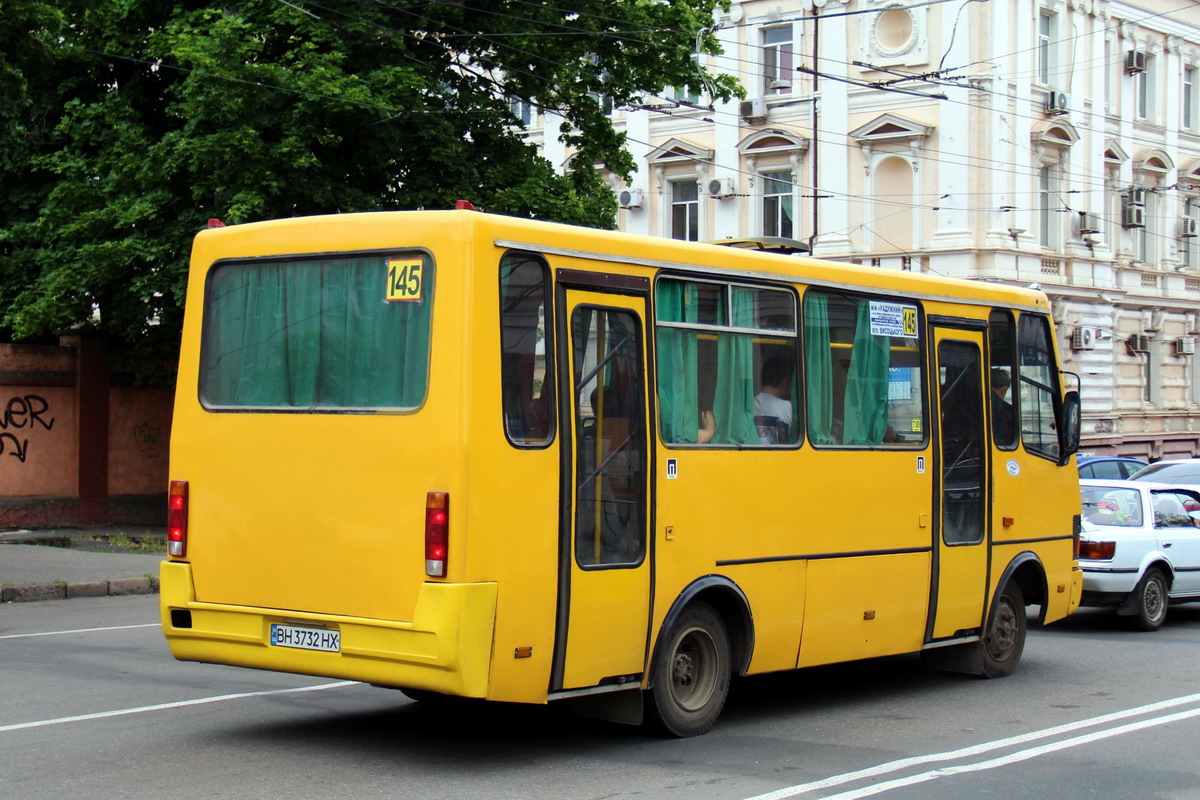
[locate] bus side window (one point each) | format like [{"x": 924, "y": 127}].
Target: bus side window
[
  {"x": 863, "y": 371},
  {"x": 1002, "y": 352},
  {"x": 525, "y": 372},
  {"x": 1037, "y": 400},
  {"x": 726, "y": 363}
]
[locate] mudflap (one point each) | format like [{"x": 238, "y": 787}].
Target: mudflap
[{"x": 623, "y": 707}]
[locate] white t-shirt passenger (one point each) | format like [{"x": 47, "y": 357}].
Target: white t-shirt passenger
[{"x": 768, "y": 405}]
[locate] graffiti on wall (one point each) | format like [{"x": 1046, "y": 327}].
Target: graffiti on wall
[
  {"x": 20, "y": 416},
  {"x": 146, "y": 435}
]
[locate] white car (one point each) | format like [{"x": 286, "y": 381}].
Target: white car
[{"x": 1139, "y": 547}]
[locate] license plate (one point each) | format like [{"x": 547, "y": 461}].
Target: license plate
[{"x": 326, "y": 641}]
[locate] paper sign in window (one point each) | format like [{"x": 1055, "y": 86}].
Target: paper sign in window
[{"x": 405, "y": 278}]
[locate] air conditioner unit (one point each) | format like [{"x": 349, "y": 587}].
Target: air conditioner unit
[
  {"x": 1136, "y": 195},
  {"x": 1057, "y": 102},
  {"x": 1135, "y": 61},
  {"x": 1083, "y": 338},
  {"x": 1139, "y": 343},
  {"x": 1188, "y": 227},
  {"x": 721, "y": 187},
  {"x": 1088, "y": 223},
  {"x": 1134, "y": 216},
  {"x": 753, "y": 110},
  {"x": 1185, "y": 346},
  {"x": 629, "y": 198}
]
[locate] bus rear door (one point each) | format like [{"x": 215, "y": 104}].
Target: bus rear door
[{"x": 604, "y": 558}]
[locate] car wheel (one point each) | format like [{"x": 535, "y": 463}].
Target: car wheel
[
  {"x": 1005, "y": 637},
  {"x": 691, "y": 677},
  {"x": 1151, "y": 603}
]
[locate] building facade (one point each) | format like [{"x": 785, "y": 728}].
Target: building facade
[{"x": 1049, "y": 142}]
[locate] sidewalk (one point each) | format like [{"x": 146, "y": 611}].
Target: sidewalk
[{"x": 80, "y": 562}]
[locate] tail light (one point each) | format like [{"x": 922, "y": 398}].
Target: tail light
[
  {"x": 1097, "y": 551},
  {"x": 437, "y": 533},
  {"x": 1076, "y": 532},
  {"x": 177, "y": 517}
]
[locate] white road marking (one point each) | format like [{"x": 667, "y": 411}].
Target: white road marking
[
  {"x": 80, "y": 630},
  {"x": 20, "y": 726},
  {"x": 1013, "y": 758},
  {"x": 974, "y": 750}
]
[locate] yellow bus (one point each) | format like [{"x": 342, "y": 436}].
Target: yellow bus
[{"x": 463, "y": 454}]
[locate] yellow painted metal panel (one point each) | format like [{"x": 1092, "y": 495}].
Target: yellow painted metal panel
[{"x": 864, "y": 607}]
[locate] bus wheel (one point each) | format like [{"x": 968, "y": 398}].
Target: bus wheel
[
  {"x": 691, "y": 678},
  {"x": 1005, "y": 637},
  {"x": 1151, "y": 600}
]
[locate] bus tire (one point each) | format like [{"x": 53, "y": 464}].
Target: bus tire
[
  {"x": 691, "y": 677},
  {"x": 1151, "y": 603},
  {"x": 1004, "y": 640}
]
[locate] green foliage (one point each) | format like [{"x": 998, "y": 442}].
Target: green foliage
[{"x": 126, "y": 124}]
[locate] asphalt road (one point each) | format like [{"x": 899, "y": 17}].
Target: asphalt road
[{"x": 93, "y": 706}]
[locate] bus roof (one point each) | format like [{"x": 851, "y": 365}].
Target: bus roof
[{"x": 379, "y": 229}]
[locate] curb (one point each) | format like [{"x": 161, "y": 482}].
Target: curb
[{"x": 69, "y": 591}]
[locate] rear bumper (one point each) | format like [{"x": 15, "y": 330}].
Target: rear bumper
[
  {"x": 1108, "y": 580},
  {"x": 446, "y": 648}
]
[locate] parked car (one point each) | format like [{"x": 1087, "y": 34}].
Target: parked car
[
  {"x": 1185, "y": 471},
  {"x": 1113, "y": 467},
  {"x": 1139, "y": 548}
]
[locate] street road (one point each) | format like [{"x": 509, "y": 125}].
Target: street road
[{"x": 93, "y": 706}]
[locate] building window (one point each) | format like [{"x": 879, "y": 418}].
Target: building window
[
  {"x": 1144, "y": 90},
  {"x": 1147, "y": 237},
  {"x": 778, "y": 60},
  {"x": 1113, "y": 63},
  {"x": 523, "y": 111},
  {"x": 1152, "y": 373},
  {"x": 778, "y": 204},
  {"x": 685, "y": 210},
  {"x": 1189, "y": 97},
  {"x": 686, "y": 95},
  {"x": 1188, "y": 253},
  {"x": 1045, "y": 47},
  {"x": 1048, "y": 205}
]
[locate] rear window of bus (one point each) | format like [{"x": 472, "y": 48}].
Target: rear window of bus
[{"x": 318, "y": 334}]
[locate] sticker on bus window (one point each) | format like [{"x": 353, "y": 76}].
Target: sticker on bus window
[
  {"x": 893, "y": 319},
  {"x": 916, "y": 425},
  {"x": 404, "y": 278}
]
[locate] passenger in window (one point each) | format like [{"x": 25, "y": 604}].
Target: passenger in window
[
  {"x": 773, "y": 404},
  {"x": 774, "y": 397},
  {"x": 707, "y": 428},
  {"x": 1002, "y": 413}
]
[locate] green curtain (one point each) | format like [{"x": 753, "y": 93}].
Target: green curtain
[
  {"x": 314, "y": 334},
  {"x": 818, "y": 368},
  {"x": 734, "y": 398},
  {"x": 678, "y": 384},
  {"x": 867, "y": 383}
]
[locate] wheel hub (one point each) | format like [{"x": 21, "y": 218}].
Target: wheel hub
[{"x": 1002, "y": 637}]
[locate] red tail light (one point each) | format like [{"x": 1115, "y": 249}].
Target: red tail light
[
  {"x": 437, "y": 533},
  {"x": 177, "y": 518},
  {"x": 1097, "y": 551}
]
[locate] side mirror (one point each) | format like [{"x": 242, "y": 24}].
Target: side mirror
[{"x": 1069, "y": 424}]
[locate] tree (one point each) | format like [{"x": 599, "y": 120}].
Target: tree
[{"x": 126, "y": 124}]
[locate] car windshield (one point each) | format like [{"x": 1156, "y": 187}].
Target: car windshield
[
  {"x": 1104, "y": 505},
  {"x": 1186, "y": 472}
]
